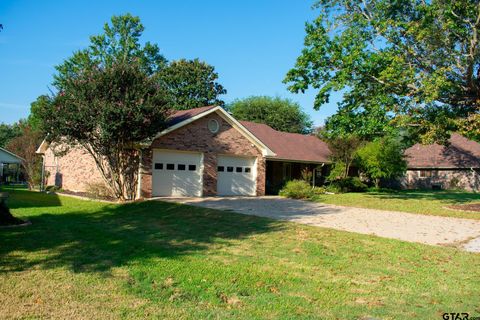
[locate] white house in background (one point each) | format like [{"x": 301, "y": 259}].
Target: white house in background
[{"x": 8, "y": 158}]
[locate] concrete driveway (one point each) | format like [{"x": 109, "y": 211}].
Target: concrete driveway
[{"x": 433, "y": 230}]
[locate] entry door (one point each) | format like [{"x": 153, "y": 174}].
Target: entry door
[
  {"x": 236, "y": 176},
  {"x": 177, "y": 174}
]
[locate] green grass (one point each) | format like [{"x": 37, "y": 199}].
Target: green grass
[
  {"x": 84, "y": 259},
  {"x": 416, "y": 201}
]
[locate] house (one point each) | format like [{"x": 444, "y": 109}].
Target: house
[
  {"x": 203, "y": 152},
  {"x": 9, "y": 163},
  {"x": 456, "y": 165}
]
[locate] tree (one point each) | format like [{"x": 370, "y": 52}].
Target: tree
[
  {"x": 417, "y": 60},
  {"x": 108, "y": 101},
  {"x": 8, "y": 132},
  {"x": 382, "y": 159},
  {"x": 191, "y": 84},
  {"x": 108, "y": 111},
  {"x": 25, "y": 147},
  {"x": 120, "y": 43},
  {"x": 280, "y": 114},
  {"x": 343, "y": 154}
]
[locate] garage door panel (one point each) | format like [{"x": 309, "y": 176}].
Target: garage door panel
[
  {"x": 236, "y": 176},
  {"x": 177, "y": 174}
]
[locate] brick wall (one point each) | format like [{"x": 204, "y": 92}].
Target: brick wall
[
  {"x": 73, "y": 171},
  {"x": 448, "y": 179},
  {"x": 196, "y": 137}
]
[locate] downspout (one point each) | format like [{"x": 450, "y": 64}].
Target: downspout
[
  {"x": 42, "y": 180},
  {"x": 139, "y": 179}
]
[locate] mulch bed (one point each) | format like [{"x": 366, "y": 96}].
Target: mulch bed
[
  {"x": 86, "y": 195},
  {"x": 467, "y": 207}
]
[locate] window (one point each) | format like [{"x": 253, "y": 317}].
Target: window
[
  {"x": 229, "y": 169},
  {"x": 221, "y": 169},
  {"x": 238, "y": 169},
  {"x": 170, "y": 166},
  {"x": 192, "y": 167},
  {"x": 181, "y": 167},
  {"x": 213, "y": 126},
  {"x": 425, "y": 173},
  {"x": 158, "y": 166},
  {"x": 247, "y": 170}
]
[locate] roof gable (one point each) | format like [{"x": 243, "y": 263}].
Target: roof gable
[
  {"x": 185, "y": 117},
  {"x": 9, "y": 157}
]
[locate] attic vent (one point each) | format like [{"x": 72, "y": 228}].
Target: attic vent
[{"x": 213, "y": 126}]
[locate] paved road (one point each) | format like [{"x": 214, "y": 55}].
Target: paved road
[{"x": 433, "y": 230}]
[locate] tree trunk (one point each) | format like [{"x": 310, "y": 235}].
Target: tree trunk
[{"x": 6, "y": 217}]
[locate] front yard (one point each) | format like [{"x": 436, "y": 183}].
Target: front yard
[
  {"x": 84, "y": 259},
  {"x": 415, "y": 201}
]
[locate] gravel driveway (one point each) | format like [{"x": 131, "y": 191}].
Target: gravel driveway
[{"x": 433, "y": 230}]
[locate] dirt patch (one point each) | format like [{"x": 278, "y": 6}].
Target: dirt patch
[{"x": 474, "y": 207}]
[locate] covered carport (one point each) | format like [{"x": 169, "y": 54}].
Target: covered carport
[{"x": 10, "y": 165}]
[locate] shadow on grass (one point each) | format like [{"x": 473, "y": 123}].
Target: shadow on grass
[
  {"x": 116, "y": 235},
  {"x": 453, "y": 197},
  {"x": 23, "y": 198}
]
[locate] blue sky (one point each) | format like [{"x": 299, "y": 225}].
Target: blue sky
[{"x": 252, "y": 44}]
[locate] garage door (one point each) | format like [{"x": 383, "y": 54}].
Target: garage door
[
  {"x": 236, "y": 176},
  {"x": 177, "y": 174}
]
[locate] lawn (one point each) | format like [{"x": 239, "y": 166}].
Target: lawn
[
  {"x": 84, "y": 259},
  {"x": 416, "y": 201}
]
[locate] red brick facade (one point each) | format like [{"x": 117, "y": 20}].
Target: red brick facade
[
  {"x": 73, "y": 171},
  {"x": 197, "y": 137}
]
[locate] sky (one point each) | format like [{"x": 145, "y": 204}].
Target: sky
[{"x": 251, "y": 43}]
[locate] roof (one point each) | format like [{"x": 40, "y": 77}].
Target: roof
[
  {"x": 460, "y": 153},
  {"x": 9, "y": 157},
  {"x": 181, "y": 115},
  {"x": 290, "y": 146}
]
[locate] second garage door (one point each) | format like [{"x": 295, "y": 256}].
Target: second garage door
[
  {"x": 177, "y": 174},
  {"x": 236, "y": 176}
]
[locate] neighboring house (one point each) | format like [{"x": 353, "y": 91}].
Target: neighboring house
[
  {"x": 204, "y": 152},
  {"x": 9, "y": 163},
  {"x": 456, "y": 165}
]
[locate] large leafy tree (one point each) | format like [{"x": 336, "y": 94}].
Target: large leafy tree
[
  {"x": 416, "y": 60},
  {"x": 120, "y": 42},
  {"x": 8, "y": 132},
  {"x": 191, "y": 84},
  {"x": 280, "y": 114},
  {"x": 108, "y": 101}
]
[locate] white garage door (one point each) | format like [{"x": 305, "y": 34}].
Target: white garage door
[
  {"x": 236, "y": 176},
  {"x": 177, "y": 174}
]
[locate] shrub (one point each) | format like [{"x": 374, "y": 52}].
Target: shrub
[
  {"x": 349, "y": 184},
  {"x": 297, "y": 189},
  {"x": 52, "y": 188},
  {"x": 98, "y": 190}
]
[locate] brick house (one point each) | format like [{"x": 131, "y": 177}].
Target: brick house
[
  {"x": 203, "y": 152},
  {"x": 456, "y": 165}
]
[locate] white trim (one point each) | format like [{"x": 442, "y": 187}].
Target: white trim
[
  {"x": 12, "y": 154},
  {"x": 227, "y": 117},
  {"x": 42, "y": 147}
]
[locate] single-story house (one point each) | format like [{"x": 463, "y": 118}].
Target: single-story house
[
  {"x": 9, "y": 162},
  {"x": 206, "y": 152},
  {"x": 203, "y": 152},
  {"x": 456, "y": 165}
]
